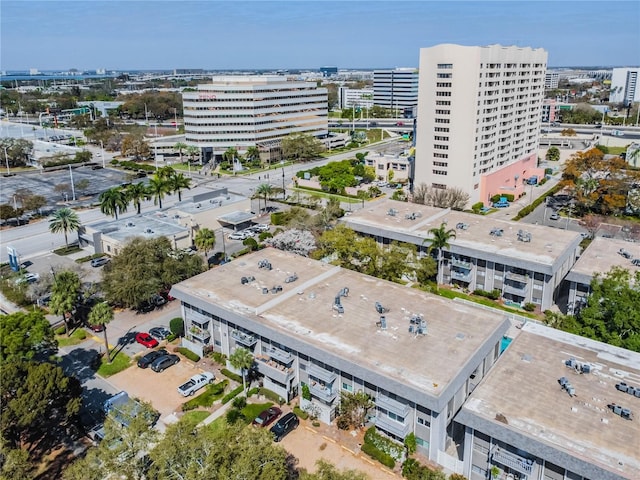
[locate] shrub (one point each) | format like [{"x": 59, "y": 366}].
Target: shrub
[
  {"x": 277, "y": 218},
  {"x": 530, "y": 208},
  {"x": 253, "y": 392},
  {"x": 114, "y": 162},
  {"x": 176, "y": 325},
  {"x": 233, "y": 415},
  {"x": 232, "y": 394},
  {"x": 220, "y": 358},
  {"x": 80, "y": 334},
  {"x": 410, "y": 443},
  {"x": 548, "y": 171},
  {"x": 529, "y": 307},
  {"x": 378, "y": 455},
  {"x": 476, "y": 207},
  {"x": 315, "y": 423},
  {"x": 498, "y": 196},
  {"x": 384, "y": 444},
  {"x": 343, "y": 422},
  {"x": 250, "y": 243},
  {"x": 264, "y": 235},
  {"x": 171, "y": 337},
  {"x": 233, "y": 376},
  {"x": 206, "y": 398},
  {"x": 239, "y": 403},
  {"x": 493, "y": 294},
  {"x": 188, "y": 353},
  {"x": 300, "y": 413},
  {"x": 60, "y": 331},
  {"x": 306, "y": 393}
]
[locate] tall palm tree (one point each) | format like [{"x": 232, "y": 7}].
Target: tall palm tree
[
  {"x": 165, "y": 172},
  {"x": 177, "y": 182},
  {"x": 253, "y": 153},
  {"x": 102, "y": 314},
  {"x": 64, "y": 220},
  {"x": 440, "y": 237},
  {"x": 265, "y": 190},
  {"x": 205, "y": 240},
  {"x": 136, "y": 193},
  {"x": 242, "y": 359},
  {"x": 113, "y": 201},
  {"x": 180, "y": 146},
  {"x": 64, "y": 295},
  {"x": 192, "y": 151},
  {"x": 158, "y": 187}
]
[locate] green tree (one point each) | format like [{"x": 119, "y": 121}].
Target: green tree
[
  {"x": 355, "y": 406},
  {"x": 253, "y": 154},
  {"x": 15, "y": 464},
  {"x": 64, "y": 220},
  {"x": 439, "y": 240},
  {"x": 136, "y": 193},
  {"x": 242, "y": 359},
  {"x": 23, "y": 334},
  {"x": 102, "y": 314},
  {"x": 426, "y": 270},
  {"x": 113, "y": 201},
  {"x": 64, "y": 295},
  {"x": 553, "y": 154},
  {"x": 266, "y": 191},
  {"x": 38, "y": 400},
  {"x": 177, "y": 182},
  {"x": 180, "y": 147},
  {"x": 134, "y": 145},
  {"x": 327, "y": 471},
  {"x": 301, "y": 147},
  {"x": 205, "y": 240},
  {"x": 165, "y": 172},
  {"x": 158, "y": 188},
  {"x": 192, "y": 151}
]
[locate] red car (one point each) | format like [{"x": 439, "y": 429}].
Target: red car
[
  {"x": 147, "y": 340},
  {"x": 267, "y": 417}
]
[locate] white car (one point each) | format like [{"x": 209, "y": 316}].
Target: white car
[
  {"x": 28, "y": 278},
  {"x": 238, "y": 236},
  {"x": 195, "y": 383}
]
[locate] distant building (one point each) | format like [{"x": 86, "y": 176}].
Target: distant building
[
  {"x": 348, "y": 97},
  {"x": 241, "y": 112},
  {"x": 625, "y": 87},
  {"x": 396, "y": 89},
  {"x": 329, "y": 71},
  {"x": 551, "y": 80},
  {"x": 479, "y": 116}
]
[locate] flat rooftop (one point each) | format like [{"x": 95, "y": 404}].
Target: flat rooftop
[
  {"x": 545, "y": 246},
  {"x": 521, "y": 394},
  {"x": 207, "y": 201},
  {"x": 154, "y": 225},
  {"x": 601, "y": 255},
  {"x": 303, "y": 309}
]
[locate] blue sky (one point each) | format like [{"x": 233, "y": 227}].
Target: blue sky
[{"x": 145, "y": 34}]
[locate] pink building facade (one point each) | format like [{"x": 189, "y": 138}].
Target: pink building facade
[{"x": 510, "y": 179}]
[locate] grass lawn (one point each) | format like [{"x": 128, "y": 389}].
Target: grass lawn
[
  {"x": 195, "y": 417},
  {"x": 218, "y": 425},
  {"x": 616, "y": 150},
  {"x": 76, "y": 337},
  {"x": 326, "y": 195},
  {"x": 252, "y": 410},
  {"x": 205, "y": 399},
  {"x": 119, "y": 363},
  {"x": 67, "y": 250},
  {"x": 444, "y": 292}
]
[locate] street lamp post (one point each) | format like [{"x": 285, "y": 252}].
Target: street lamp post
[
  {"x": 284, "y": 192},
  {"x": 6, "y": 159},
  {"x": 102, "y": 151}
]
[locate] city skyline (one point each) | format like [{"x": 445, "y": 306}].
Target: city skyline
[{"x": 294, "y": 34}]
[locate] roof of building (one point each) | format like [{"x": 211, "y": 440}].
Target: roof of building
[
  {"x": 154, "y": 225},
  {"x": 545, "y": 244},
  {"x": 600, "y": 256},
  {"x": 303, "y": 310},
  {"x": 521, "y": 402},
  {"x": 207, "y": 201}
]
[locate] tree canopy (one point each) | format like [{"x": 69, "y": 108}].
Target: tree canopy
[
  {"x": 301, "y": 147},
  {"x": 23, "y": 334},
  {"x": 64, "y": 220}
]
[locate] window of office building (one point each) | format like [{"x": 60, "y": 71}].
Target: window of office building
[
  {"x": 443, "y": 75},
  {"x": 445, "y": 65}
]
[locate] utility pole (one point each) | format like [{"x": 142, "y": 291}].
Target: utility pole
[{"x": 73, "y": 188}]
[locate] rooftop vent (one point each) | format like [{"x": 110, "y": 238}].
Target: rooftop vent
[
  {"x": 245, "y": 280},
  {"x": 382, "y": 323},
  {"x": 337, "y": 303},
  {"x": 291, "y": 278},
  {"x": 276, "y": 289},
  {"x": 148, "y": 230},
  {"x": 564, "y": 383},
  {"x": 264, "y": 263},
  {"x": 524, "y": 236},
  {"x": 623, "y": 387},
  {"x": 131, "y": 224},
  {"x": 417, "y": 325},
  {"x": 618, "y": 410},
  {"x": 198, "y": 205},
  {"x": 462, "y": 226},
  {"x": 496, "y": 232},
  {"x": 392, "y": 212},
  {"x": 380, "y": 309},
  {"x": 413, "y": 215}
]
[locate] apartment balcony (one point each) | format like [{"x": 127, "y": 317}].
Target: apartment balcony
[
  {"x": 320, "y": 374},
  {"x": 464, "y": 276},
  {"x": 392, "y": 405},
  {"x": 517, "y": 277},
  {"x": 323, "y": 392},
  {"x": 511, "y": 460},
  {"x": 396, "y": 428},
  {"x": 199, "y": 334},
  {"x": 274, "y": 370},
  {"x": 244, "y": 338},
  {"x": 456, "y": 262},
  {"x": 519, "y": 289},
  {"x": 280, "y": 355}
]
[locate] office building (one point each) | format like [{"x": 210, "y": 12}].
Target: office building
[
  {"x": 624, "y": 85},
  {"x": 396, "y": 89},
  {"x": 329, "y": 71},
  {"x": 525, "y": 263},
  {"x": 313, "y": 325},
  {"x": 241, "y": 112},
  {"x": 555, "y": 407},
  {"x": 358, "y": 98},
  {"x": 551, "y": 80},
  {"x": 479, "y": 113}
]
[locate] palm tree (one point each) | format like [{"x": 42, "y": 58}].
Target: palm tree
[
  {"x": 165, "y": 172},
  {"x": 102, "y": 314},
  {"x": 177, "y": 182},
  {"x": 440, "y": 240},
  {"x": 205, "y": 240},
  {"x": 64, "y": 220},
  {"x": 265, "y": 190},
  {"x": 253, "y": 154},
  {"x": 158, "y": 187},
  {"x": 113, "y": 201},
  {"x": 180, "y": 146},
  {"x": 192, "y": 151},
  {"x": 64, "y": 294},
  {"x": 136, "y": 192},
  {"x": 242, "y": 359}
]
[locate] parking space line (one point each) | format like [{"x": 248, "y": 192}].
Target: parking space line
[
  {"x": 367, "y": 460},
  {"x": 387, "y": 472},
  {"x": 310, "y": 429},
  {"x": 329, "y": 439},
  {"x": 347, "y": 449}
]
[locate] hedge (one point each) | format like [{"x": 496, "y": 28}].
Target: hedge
[
  {"x": 188, "y": 353},
  {"x": 231, "y": 375},
  {"x": 220, "y": 358},
  {"x": 300, "y": 413},
  {"x": 493, "y": 294},
  {"x": 252, "y": 392},
  {"x": 530, "y": 208},
  {"x": 497, "y": 197},
  {"x": 231, "y": 395},
  {"x": 176, "y": 325},
  {"x": 476, "y": 207},
  {"x": 378, "y": 455}
]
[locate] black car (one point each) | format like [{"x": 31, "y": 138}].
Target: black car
[
  {"x": 158, "y": 300},
  {"x": 146, "y": 307},
  {"x": 149, "y": 358},
  {"x": 164, "y": 362},
  {"x": 284, "y": 425}
]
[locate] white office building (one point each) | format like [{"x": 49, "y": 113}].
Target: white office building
[
  {"x": 244, "y": 111},
  {"x": 551, "y": 80},
  {"x": 479, "y": 112},
  {"x": 358, "y": 98},
  {"x": 396, "y": 89},
  {"x": 624, "y": 85}
]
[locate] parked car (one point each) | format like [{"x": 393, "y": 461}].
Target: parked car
[
  {"x": 98, "y": 262},
  {"x": 159, "y": 333},
  {"x": 195, "y": 383},
  {"x": 164, "y": 362},
  {"x": 149, "y": 358},
  {"x": 554, "y": 216},
  {"x": 146, "y": 307},
  {"x": 267, "y": 417},
  {"x": 636, "y": 262},
  {"x": 94, "y": 327},
  {"x": 158, "y": 300},
  {"x": 283, "y": 426},
  {"x": 28, "y": 278},
  {"x": 238, "y": 236},
  {"x": 143, "y": 338}
]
